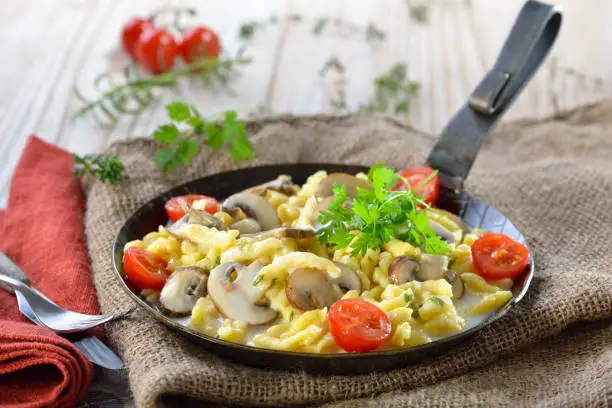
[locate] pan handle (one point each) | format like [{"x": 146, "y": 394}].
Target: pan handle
[{"x": 528, "y": 43}]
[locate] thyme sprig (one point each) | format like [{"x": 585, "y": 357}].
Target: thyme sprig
[
  {"x": 106, "y": 168},
  {"x": 129, "y": 93}
]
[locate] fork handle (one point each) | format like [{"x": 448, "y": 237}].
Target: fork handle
[{"x": 10, "y": 270}]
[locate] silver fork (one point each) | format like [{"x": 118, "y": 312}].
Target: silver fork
[{"x": 47, "y": 312}]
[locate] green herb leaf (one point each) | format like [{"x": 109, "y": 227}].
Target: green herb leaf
[
  {"x": 377, "y": 215},
  {"x": 257, "y": 280},
  {"x": 186, "y": 150},
  {"x": 408, "y": 297},
  {"x": 320, "y": 25},
  {"x": 247, "y": 30},
  {"x": 165, "y": 159},
  {"x": 415, "y": 306},
  {"x": 166, "y": 133},
  {"x": 437, "y": 301},
  {"x": 292, "y": 315},
  {"x": 178, "y": 111},
  {"x": 105, "y": 168},
  {"x": 184, "y": 147}
]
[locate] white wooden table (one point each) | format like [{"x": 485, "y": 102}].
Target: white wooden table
[{"x": 50, "y": 45}]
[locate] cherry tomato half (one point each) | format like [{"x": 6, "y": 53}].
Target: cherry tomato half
[
  {"x": 199, "y": 42},
  {"x": 357, "y": 325},
  {"x": 498, "y": 256},
  {"x": 130, "y": 33},
  {"x": 415, "y": 176},
  {"x": 176, "y": 207},
  {"x": 144, "y": 269},
  {"x": 156, "y": 50}
]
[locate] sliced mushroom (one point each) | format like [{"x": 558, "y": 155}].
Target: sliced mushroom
[
  {"x": 282, "y": 184},
  {"x": 348, "y": 279},
  {"x": 202, "y": 217},
  {"x": 432, "y": 267},
  {"x": 235, "y": 213},
  {"x": 194, "y": 216},
  {"x": 457, "y": 284},
  {"x": 436, "y": 217},
  {"x": 246, "y": 226},
  {"x": 182, "y": 290},
  {"x": 326, "y": 186},
  {"x": 230, "y": 290},
  {"x": 322, "y": 205},
  {"x": 311, "y": 288},
  {"x": 446, "y": 234},
  {"x": 403, "y": 269},
  {"x": 255, "y": 207},
  {"x": 254, "y": 292},
  {"x": 283, "y": 232}
]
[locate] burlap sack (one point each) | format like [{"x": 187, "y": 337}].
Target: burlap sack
[{"x": 552, "y": 178}]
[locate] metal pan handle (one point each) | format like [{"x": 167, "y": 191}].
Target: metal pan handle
[{"x": 528, "y": 43}]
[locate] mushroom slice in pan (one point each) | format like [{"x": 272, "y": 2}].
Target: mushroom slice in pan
[
  {"x": 348, "y": 279},
  {"x": 457, "y": 284},
  {"x": 403, "y": 269},
  {"x": 204, "y": 218},
  {"x": 322, "y": 205},
  {"x": 182, "y": 290},
  {"x": 311, "y": 288},
  {"x": 194, "y": 216},
  {"x": 446, "y": 234},
  {"x": 282, "y": 184},
  {"x": 254, "y": 292},
  {"x": 447, "y": 225},
  {"x": 231, "y": 293},
  {"x": 432, "y": 267},
  {"x": 283, "y": 232},
  {"x": 326, "y": 186},
  {"x": 246, "y": 226},
  {"x": 255, "y": 207}
]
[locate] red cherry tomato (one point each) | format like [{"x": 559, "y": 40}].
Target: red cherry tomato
[
  {"x": 199, "y": 42},
  {"x": 144, "y": 269},
  {"x": 415, "y": 176},
  {"x": 130, "y": 33},
  {"x": 156, "y": 50},
  {"x": 357, "y": 325},
  {"x": 498, "y": 256},
  {"x": 176, "y": 207}
]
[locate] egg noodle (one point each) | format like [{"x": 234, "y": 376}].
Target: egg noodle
[{"x": 419, "y": 310}]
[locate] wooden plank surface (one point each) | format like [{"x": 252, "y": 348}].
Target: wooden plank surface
[{"x": 50, "y": 45}]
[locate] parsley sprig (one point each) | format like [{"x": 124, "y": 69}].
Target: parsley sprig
[
  {"x": 182, "y": 146},
  {"x": 377, "y": 215}
]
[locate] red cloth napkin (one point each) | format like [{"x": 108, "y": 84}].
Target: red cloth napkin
[{"x": 42, "y": 231}]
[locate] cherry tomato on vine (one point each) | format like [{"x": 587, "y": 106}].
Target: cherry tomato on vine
[
  {"x": 357, "y": 325},
  {"x": 200, "y": 42},
  {"x": 498, "y": 256},
  {"x": 130, "y": 33},
  {"x": 177, "y": 206},
  {"x": 415, "y": 177},
  {"x": 156, "y": 50},
  {"x": 144, "y": 269}
]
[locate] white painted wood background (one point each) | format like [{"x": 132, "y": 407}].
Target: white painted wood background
[{"x": 50, "y": 45}]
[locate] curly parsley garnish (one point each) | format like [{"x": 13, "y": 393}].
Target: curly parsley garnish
[{"x": 377, "y": 215}]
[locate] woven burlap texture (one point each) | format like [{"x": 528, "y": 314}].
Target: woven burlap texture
[{"x": 553, "y": 178}]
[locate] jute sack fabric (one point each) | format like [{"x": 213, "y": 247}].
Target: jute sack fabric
[{"x": 553, "y": 178}]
